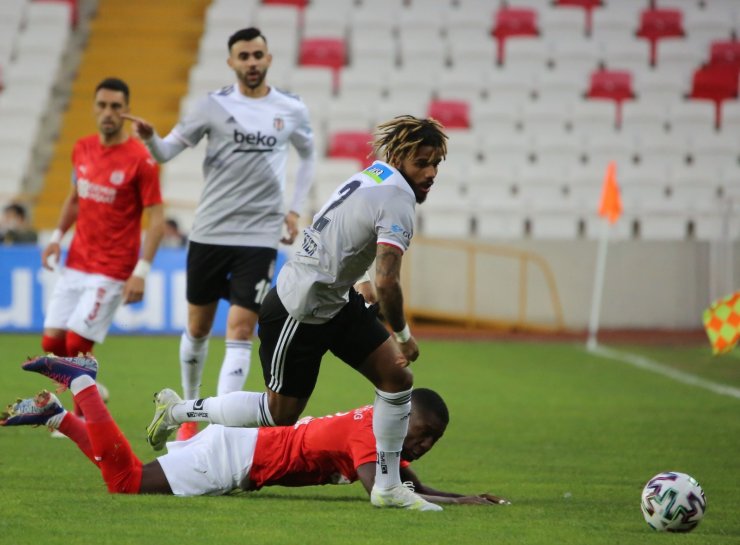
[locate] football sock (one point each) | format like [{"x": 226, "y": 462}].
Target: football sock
[
  {"x": 78, "y": 345},
  {"x": 54, "y": 345},
  {"x": 390, "y": 424},
  {"x": 74, "y": 427},
  {"x": 193, "y": 354},
  {"x": 235, "y": 367},
  {"x": 235, "y": 409},
  {"x": 121, "y": 469}
]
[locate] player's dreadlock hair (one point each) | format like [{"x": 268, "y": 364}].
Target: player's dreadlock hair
[
  {"x": 428, "y": 400},
  {"x": 402, "y": 136}
]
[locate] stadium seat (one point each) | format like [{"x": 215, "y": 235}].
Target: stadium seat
[
  {"x": 351, "y": 145},
  {"x": 716, "y": 83},
  {"x": 600, "y": 148},
  {"x": 446, "y": 213},
  {"x": 644, "y": 117},
  {"x": 615, "y": 85},
  {"x": 630, "y": 55},
  {"x": 295, "y": 3},
  {"x": 510, "y": 86},
  {"x": 587, "y": 6},
  {"x": 666, "y": 149},
  {"x": 528, "y": 55},
  {"x": 680, "y": 55},
  {"x": 325, "y": 21},
  {"x": 474, "y": 52},
  {"x": 554, "y": 150},
  {"x": 547, "y": 116},
  {"x": 614, "y": 25},
  {"x": 463, "y": 147},
  {"x": 593, "y": 116},
  {"x": 498, "y": 212},
  {"x": 370, "y": 47},
  {"x": 512, "y": 22},
  {"x": 725, "y": 53},
  {"x": 731, "y": 117},
  {"x": 453, "y": 114},
  {"x": 460, "y": 85},
  {"x": 574, "y": 53},
  {"x": 491, "y": 116},
  {"x": 328, "y": 52},
  {"x": 659, "y": 24},
  {"x": 349, "y": 113}
]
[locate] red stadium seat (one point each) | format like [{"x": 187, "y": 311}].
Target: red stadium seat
[
  {"x": 658, "y": 24},
  {"x": 588, "y": 7},
  {"x": 613, "y": 85},
  {"x": 329, "y": 52},
  {"x": 510, "y": 22},
  {"x": 725, "y": 53},
  {"x": 351, "y": 145},
  {"x": 296, "y": 3},
  {"x": 717, "y": 83},
  {"x": 453, "y": 114}
]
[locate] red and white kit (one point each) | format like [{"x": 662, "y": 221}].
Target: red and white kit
[{"x": 114, "y": 185}]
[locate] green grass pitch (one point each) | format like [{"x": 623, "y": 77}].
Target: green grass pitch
[{"x": 569, "y": 437}]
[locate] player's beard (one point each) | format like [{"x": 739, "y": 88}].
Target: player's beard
[
  {"x": 110, "y": 130},
  {"x": 254, "y": 84},
  {"x": 420, "y": 197}
]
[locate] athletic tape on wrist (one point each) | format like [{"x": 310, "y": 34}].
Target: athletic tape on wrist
[
  {"x": 404, "y": 335},
  {"x": 142, "y": 268},
  {"x": 56, "y": 236}
]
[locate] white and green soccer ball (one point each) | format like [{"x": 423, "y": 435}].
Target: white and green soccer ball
[{"x": 673, "y": 502}]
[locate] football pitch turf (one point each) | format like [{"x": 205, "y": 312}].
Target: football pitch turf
[{"x": 569, "y": 437}]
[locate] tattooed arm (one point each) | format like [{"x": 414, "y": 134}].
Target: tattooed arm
[{"x": 388, "y": 286}]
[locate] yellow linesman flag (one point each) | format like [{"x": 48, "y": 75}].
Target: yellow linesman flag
[{"x": 722, "y": 323}]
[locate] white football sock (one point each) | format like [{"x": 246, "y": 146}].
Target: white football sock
[
  {"x": 235, "y": 367},
  {"x": 193, "y": 354},
  {"x": 55, "y": 420},
  {"x": 390, "y": 424},
  {"x": 78, "y": 384},
  {"x": 235, "y": 409}
]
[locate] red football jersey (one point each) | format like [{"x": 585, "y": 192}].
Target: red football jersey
[
  {"x": 114, "y": 184},
  {"x": 326, "y": 450}
]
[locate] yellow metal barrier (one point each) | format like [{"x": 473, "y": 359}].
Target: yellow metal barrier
[{"x": 472, "y": 252}]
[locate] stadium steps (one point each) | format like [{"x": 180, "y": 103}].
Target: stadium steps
[{"x": 150, "y": 45}]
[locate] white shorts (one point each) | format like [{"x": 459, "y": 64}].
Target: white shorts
[
  {"x": 212, "y": 463},
  {"x": 84, "y": 303}
]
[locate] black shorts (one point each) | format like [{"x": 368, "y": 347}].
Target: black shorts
[
  {"x": 240, "y": 274},
  {"x": 291, "y": 351}
]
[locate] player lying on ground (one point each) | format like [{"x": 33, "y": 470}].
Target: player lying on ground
[{"x": 334, "y": 449}]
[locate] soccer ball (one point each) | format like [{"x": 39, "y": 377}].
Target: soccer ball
[{"x": 673, "y": 502}]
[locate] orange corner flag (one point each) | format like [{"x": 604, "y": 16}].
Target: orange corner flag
[{"x": 611, "y": 203}]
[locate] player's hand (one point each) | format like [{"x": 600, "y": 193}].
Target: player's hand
[
  {"x": 291, "y": 224},
  {"x": 142, "y": 128},
  {"x": 52, "y": 251},
  {"x": 473, "y": 500},
  {"x": 410, "y": 350},
  {"x": 133, "y": 291},
  {"x": 498, "y": 500}
]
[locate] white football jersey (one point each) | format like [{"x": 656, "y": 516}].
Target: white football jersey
[
  {"x": 375, "y": 206},
  {"x": 244, "y": 168}
]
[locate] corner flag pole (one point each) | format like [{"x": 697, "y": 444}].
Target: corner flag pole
[{"x": 610, "y": 209}]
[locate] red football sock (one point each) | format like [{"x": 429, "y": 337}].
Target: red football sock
[
  {"x": 54, "y": 345},
  {"x": 76, "y": 344},
  {"x": 74, "y": 427},
  {"x": 120, "y": 467}
]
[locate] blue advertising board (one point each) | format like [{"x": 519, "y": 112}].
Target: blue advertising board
[{"x": 25, "y": 289}]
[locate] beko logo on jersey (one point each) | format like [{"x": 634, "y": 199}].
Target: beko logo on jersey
[{"x": 252, "y": 139}]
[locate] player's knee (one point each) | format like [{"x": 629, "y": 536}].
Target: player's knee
[
  {"x": 54, "y": 345},
  {"x": 399, "y": 381},
  {"x": 77, "y": 344},
  {"x": 198, "y": 331},
  {"x": 283, "y": 414}
]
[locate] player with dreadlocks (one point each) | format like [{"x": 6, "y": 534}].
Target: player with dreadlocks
[{"x": 314, "y": 308}]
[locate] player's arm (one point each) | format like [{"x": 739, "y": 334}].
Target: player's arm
[
  {"x": 390, "y": 297},
  {"x": 67, "y": 218},
  {"x": 440, "y": 496},
  {"x": 133, "y": 291},
  {"x": 162, "y": 149},
  {"x": 366, "y": 474}
]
